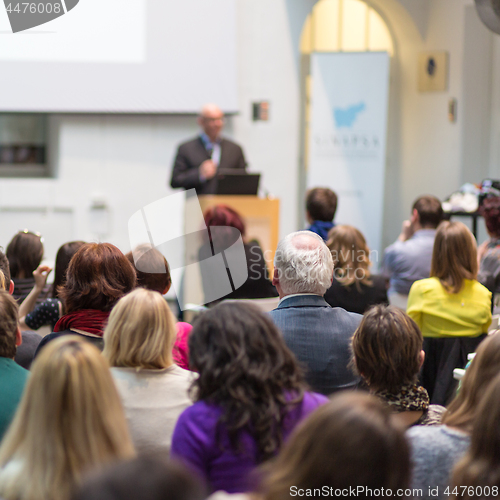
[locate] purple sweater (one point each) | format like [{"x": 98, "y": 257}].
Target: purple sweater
[{"x": 194, "y": 443}]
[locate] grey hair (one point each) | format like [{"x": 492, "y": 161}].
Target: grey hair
[{"x": 303, "y": 265}]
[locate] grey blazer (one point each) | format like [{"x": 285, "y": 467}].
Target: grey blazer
[
  {"x": 192, "y": 154},
  {"x": 320, "y": 337}
]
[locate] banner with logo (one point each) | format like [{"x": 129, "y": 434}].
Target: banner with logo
[{"x": 349, "y": 101}]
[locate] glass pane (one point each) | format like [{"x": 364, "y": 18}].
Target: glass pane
[
  {"x": 325, "y": 26},
  {"x": 379, "y": 38},
  {"x": 354, "y": 20}
]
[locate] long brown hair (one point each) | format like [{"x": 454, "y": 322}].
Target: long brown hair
[
  {"x": 70, "y": 419},
  {"x": 348, "y": 442},
  {"x": 480, "y": 467},
  {"x": 484, "y": 366},
  {"x": 454, "y": 257},
  {"x": 351, "y": 256}
]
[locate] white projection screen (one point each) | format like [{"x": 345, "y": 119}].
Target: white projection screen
[{"x": 120, "y": 56}]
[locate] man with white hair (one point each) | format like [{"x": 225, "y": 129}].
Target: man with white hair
[
  {"x": 199, "y": 159},
  {"x": 319, "y": 335}
]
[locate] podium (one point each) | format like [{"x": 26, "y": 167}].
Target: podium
[{"x": 261, "y": 217}]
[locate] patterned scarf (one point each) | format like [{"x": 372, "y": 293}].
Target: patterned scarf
[
  {"x": 409, "y": 398},
  {"x": 88, "y": 320}
]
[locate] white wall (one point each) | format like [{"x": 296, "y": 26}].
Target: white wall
[{"x": 126, "y": 160}]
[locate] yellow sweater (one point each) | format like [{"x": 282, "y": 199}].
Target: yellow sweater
[{"x": 439, "y": 313}]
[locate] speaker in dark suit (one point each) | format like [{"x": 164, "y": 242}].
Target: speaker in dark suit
[{"x": 198, "y": 160}]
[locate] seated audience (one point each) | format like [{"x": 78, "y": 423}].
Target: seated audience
[
  {"x": 354, "y": 288},
  {"x": 477, "y": 475},
  {"x": 97, "y": 276},
  {"x": 12, "y": 377},
  {"x": 25, "y": 252},
  {"x": 70, "y": 420},
  {"x": 451, "y": 308},
  {"x": 249, "y": 395},
  {"x": 348, "y": 443},
  {"x": 153, "y": 273},
  {"x": 321, "y": 205},
  {"x": 488, "y": 253},
  {"x": 409, "y": 258},
  {"x": 151, "y": 477},
  {"x": 138, "y": 344},
  {"x": 387, "y": 348},
  {"x": 318, "y": 335},
  {"x": 223, "y": 219},
  {"x": 30, "y": 340},
  {"x": 435, "y": 450},
  {"x": 50, "y": 310}
]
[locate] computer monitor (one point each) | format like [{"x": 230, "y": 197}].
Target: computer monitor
[{"x": 237, "y": 182}]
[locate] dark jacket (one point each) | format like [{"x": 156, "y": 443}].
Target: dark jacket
[{"x": 320, "y": 337}]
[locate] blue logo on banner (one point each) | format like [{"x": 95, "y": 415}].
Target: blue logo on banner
[{"x": 345, "y": 117}]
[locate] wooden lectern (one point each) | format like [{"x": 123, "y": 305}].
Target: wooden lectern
[{"x": 261, "y": 217}]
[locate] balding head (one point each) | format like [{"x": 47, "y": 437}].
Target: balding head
[
  {"x": 303, "y": 264},
  {"x": 211, "y": 120}
]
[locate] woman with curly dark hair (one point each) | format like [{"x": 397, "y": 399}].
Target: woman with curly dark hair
[{"x": 250, "y": 395}]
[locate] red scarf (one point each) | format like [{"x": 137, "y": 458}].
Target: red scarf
[{"x": 89, "y": 320}]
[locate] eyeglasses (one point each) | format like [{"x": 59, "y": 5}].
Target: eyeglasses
[{"x": 27, "y": 231}]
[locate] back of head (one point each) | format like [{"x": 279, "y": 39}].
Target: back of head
[
  {"x": 304, "y": 264},
  {"x": 63, "y": 258},
  {"x": 25, "y": 252},
  {"x": 69, "y": 420},
  {"x": 97, "y": 276},
  {"x": 387, "y": 347},
  {"x": 5, "y": 268},
  {"x": 490, "y": 210},
  {"x": 454, "y": 256},
  {"x": 145, "y": 478},
  {"x": 430, "y": 211},
  {"x": 321, "y": 204},
  {"x": 480, "y": 467},
  {"x": 349, "y": 442},
  {"x": 239, "y": 352},
  {"x": 8, "y": 324},
  {"x": 151, "y": 268},
  {"x": 351, "y": 255},
  {"x": 484, "y": 367},
  {"x": 140, "y": 332}
]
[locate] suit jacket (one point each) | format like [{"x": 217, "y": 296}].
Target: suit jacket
[
  {"x": 320, "y": 337},
  {"x": 192, "y": 154}
]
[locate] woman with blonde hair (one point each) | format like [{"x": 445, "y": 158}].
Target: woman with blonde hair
[
  {"x": 452, "y": 308},
  {"x": 353, "y": 288},
  {"x": 70, "y": 420},
  {"x": 138, "y": 345}
]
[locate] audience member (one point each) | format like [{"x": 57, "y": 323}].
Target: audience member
[
  {"x": 30, "y": 340},
  {"x": 12, "y": 377},
  {"x": 321, "y": 205},
  {"x": 151, "y": 477},
  {"x": 249, "y": 396},
  {"x": 70, "y": 420},
  {"x": 354, "y": 288},
  {"x": 451, "y": 308},
  {"x": 222, "y": 221},
  {"x": 488, "y": 253},
  {"x": 25, "y": 252},
  {"x": 138, "y": 344},
  {"x": 50, "y": 310},
  {"x": 409, "y": 258},
  {"x": 97, "y": 276},
  {"x": 435, "y": 450},
  {"x": 477, "y": 475},
  {"x": 388, "y": 354},
  {"x": 347, "y": 444},
  {"x": 318, "y": 335},
  {"x": 154, "y": 274}
]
